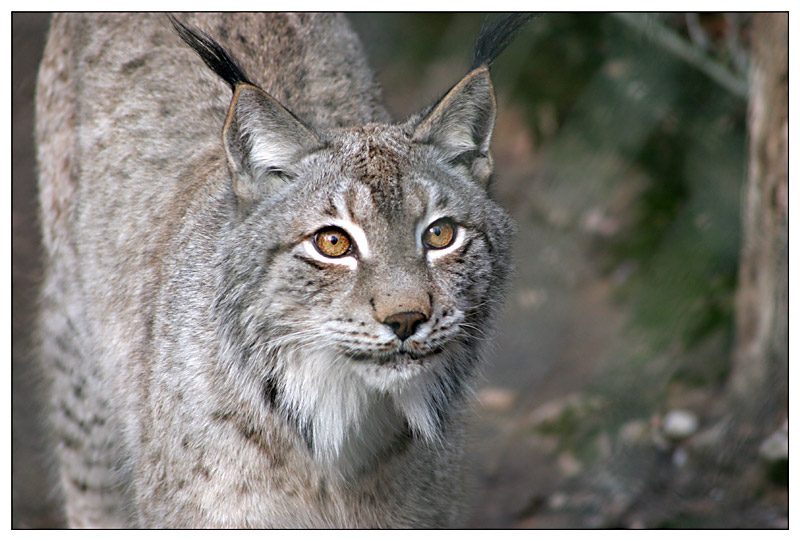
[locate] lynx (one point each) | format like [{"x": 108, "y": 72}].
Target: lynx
[{"x": 265, "y": 302}]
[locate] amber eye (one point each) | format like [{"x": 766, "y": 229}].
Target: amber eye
[
  {"x": 332, "y": 242},
  {"x": 440, "y": 234}
]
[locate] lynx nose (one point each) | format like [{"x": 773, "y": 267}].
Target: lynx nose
[{"x": 405, "y": 323}]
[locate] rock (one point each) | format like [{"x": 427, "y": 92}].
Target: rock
[
  {"x": 679, "y": 424},
  {"x": 564, "y": 412},
  {"x": 557, "y": 501},
  {"x": 680, "y": 458},
  {"x": 546, "y": 414},
  {"x": 603, "y": 446},
  {"x": 635, "y": 432},
  {"x": 568, "y": 464},
  {"x": 496, "y": 399},
  {"x": 532, "y": 298},
  {"x": 774, "y": 452},
  {"x": 637, "y": 524},
  {"x": 776, "y": 447},
  {"x": 709, "y": 441},
  {"x": 597, "y": 221}
]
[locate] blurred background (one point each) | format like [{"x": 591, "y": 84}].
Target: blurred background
[{"x": 639, "y": 377}]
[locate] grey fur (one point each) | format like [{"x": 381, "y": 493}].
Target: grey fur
[{"x": 210, "y": 366}]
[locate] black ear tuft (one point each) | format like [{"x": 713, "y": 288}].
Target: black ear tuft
[
  {"x": 494, "y": 38},
  {"x": 213, "y": 54}
]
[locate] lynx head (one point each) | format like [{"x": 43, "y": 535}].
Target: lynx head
[{"x": 368, "y": 263}]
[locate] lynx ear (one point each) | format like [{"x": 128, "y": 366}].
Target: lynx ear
[
  {"x": 263, "y": 140},
  {"x": 462, "y": 123}
]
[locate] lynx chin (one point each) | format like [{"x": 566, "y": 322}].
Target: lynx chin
[{"x": 265, "y": 301}]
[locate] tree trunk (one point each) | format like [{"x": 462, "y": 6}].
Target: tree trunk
[{"x": 759, "y": 382}]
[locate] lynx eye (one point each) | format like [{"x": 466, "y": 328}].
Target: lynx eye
[
  {"x": 440, "y": 234},
  {"x": 332, "y": 242}
]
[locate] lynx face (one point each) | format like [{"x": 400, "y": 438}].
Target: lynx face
[{"x": 378, "y": 275}]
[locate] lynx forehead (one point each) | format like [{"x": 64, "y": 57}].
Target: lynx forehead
[
  {"x": 377, "y": 160},
  {"x": 265, "y": 302}
]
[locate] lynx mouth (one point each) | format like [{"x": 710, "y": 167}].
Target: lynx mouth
[{"x": 400, "y": 356}]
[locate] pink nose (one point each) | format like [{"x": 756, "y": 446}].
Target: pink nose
[{"x": 405, "y": 323}]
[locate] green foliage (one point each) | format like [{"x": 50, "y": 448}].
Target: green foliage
[
  {"x": 617, "y": 93},
  {"x": 630, "y": 112}
]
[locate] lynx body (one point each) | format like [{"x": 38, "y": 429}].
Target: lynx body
[{"x": 262, "y": 308}]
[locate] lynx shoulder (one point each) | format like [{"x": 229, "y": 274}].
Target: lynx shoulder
[{"x": 265, "y": 300}]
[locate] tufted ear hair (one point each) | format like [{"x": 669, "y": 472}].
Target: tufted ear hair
[
  {"x": 461, "y": 123},
  {"x": 263, "y": 141}
]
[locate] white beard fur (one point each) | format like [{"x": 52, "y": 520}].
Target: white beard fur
[{"x": 356, "y": 410}]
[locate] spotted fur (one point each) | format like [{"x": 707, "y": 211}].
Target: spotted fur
[{"x": 212, "y": 365}]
